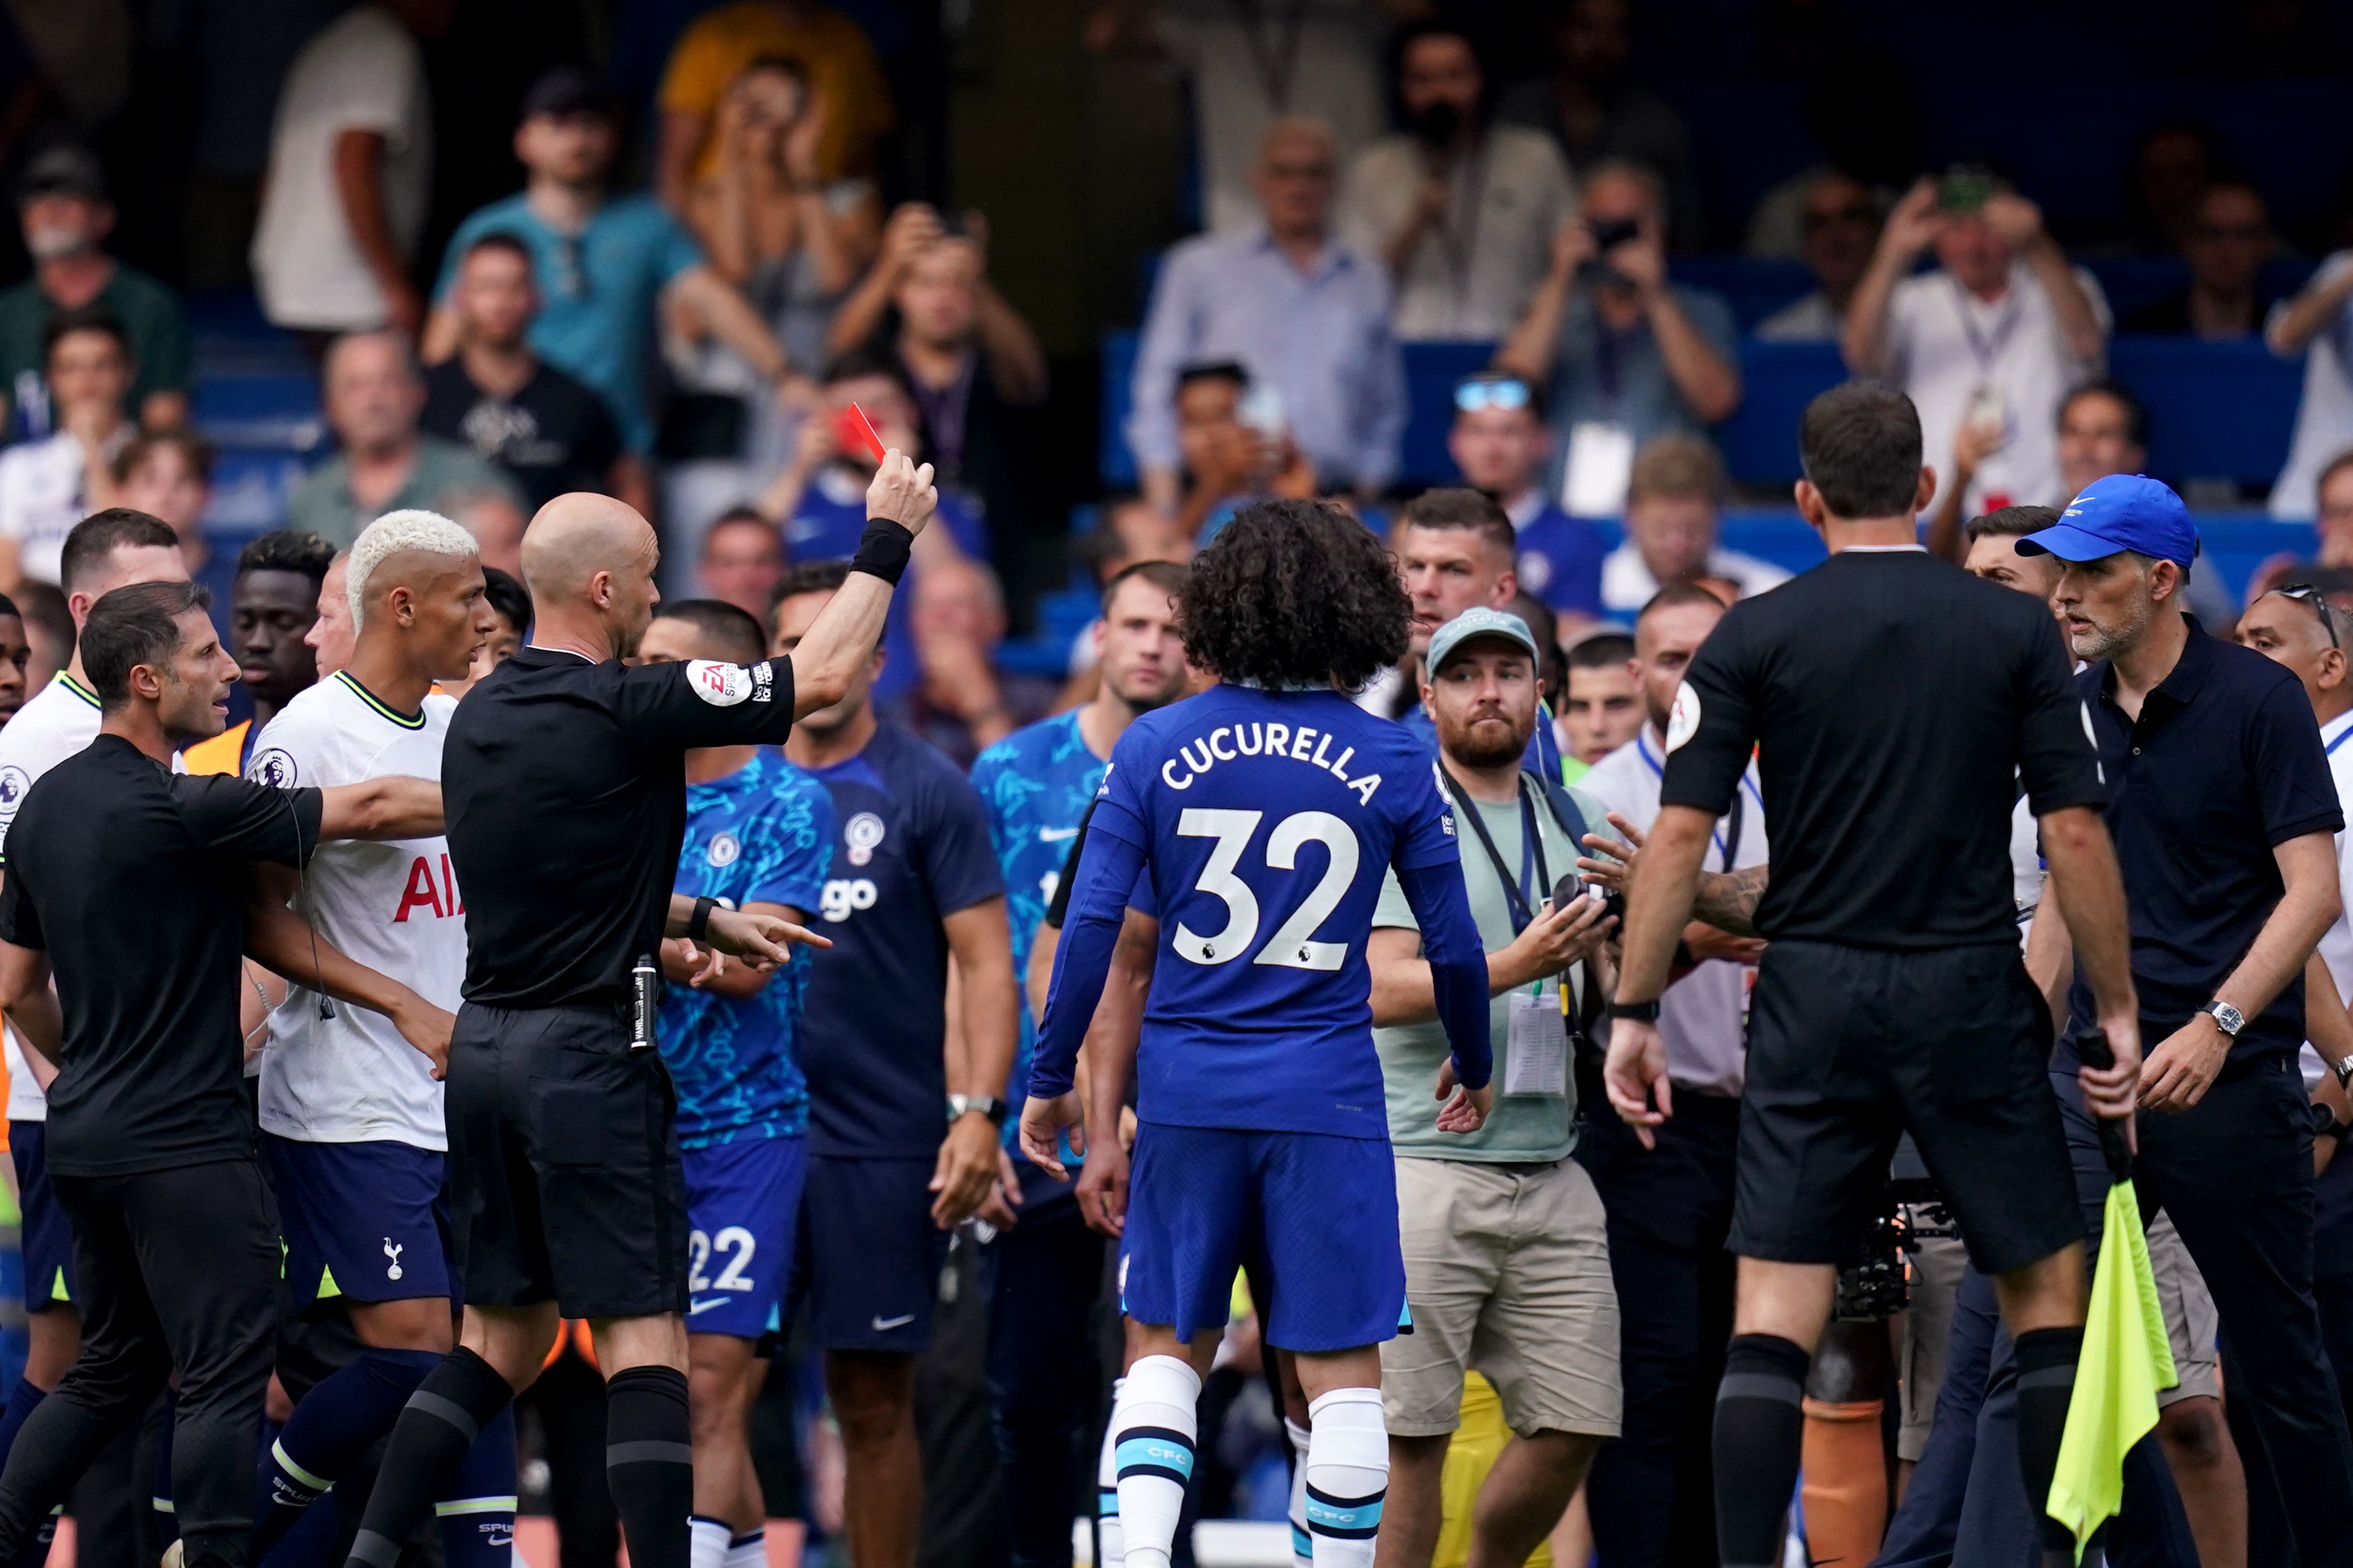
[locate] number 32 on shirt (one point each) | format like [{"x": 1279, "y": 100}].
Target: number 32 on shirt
[{"x": 1292, "y": 945}]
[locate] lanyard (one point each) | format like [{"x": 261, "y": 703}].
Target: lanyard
[
  {"x": 1985, "y": 349},
  {"x": 1522, "y": 904},
  {"x": 1461, "y": 247},
  {"x": 1275, "y": 61},
  {"x": 1727, "y": 839}
]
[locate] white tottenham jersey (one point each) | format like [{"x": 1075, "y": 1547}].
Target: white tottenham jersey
[
  {"x": 1701, "y": 1016},
  {"x": 59, "y": 720},
  {"x": 392, "y": 906}
]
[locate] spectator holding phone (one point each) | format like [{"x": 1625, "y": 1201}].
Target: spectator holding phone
[
  {"x": 1235, "y": 448},
  {"x": 1627, "y": 355},
  {"x": 1988, "y": 342}
]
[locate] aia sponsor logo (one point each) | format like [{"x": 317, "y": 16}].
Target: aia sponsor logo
[{"x": 432, "y": 888}]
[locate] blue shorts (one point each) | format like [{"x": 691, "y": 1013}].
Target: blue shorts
[
  {"x": 743, "y": 1204},
  {"x": 363, "y": 1222},
  {"x": 46, "y": 1236},
  {"x": 1313, "y": 1214},
  {"x": 869, "y": 1257}
]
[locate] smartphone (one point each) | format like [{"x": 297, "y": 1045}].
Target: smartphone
[
  {"x": 1966, "y": 187},
  {"x": 1608, "y": 237},
  {"x": 1262, "y": 410}
]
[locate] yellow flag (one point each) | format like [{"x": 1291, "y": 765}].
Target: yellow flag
[{"x": 2125, "y": 1361}]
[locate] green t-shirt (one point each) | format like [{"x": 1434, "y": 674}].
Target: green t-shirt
[
  {"x": 150, "y": 314},
  {"x": 444, "y": 475},
  {"x": 1523, "y": 1127}
]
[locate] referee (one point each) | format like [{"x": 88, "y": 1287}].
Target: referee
[
  {"x": 1899, "y": 703},
  {"x": 564, "y": 779}
]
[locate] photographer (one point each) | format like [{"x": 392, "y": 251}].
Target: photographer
[
  {"x": 1989, "y": 341},
  {"x": 1506, "y": 1254},
  {"x": 1628, "y": 354}
]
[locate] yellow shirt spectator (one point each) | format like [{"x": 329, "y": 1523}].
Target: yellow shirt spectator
[{"x": 716, "y": 47}]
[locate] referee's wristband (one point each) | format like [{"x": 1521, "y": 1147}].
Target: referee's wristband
[
  {"x": 883, "y": 550},
  {"x": 1635, "y": 1012},
  {"x": 698, "y": 922}
]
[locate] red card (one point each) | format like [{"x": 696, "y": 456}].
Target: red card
[{"x": 873, "y": 437}]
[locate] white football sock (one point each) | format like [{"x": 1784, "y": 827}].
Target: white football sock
[
  {"x": 1155, "y": 1423},
  {"x": 1303, "y": 1551},
  {"x": 707, "y": 1541},
  {"x": 1348, "y": 1476},
  {"x": 1111, "y": 1547}
]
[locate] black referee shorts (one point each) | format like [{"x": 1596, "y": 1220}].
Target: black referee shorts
[
  {"x": 565, "y": 1180},
  {"x": 1848, "y": 1048}
]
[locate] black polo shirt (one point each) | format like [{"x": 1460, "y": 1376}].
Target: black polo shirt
[
  {"x": 133, "y": 878},
  {"x": 554, "y": 435},
  {"x": 2225, "y": 765},
  {"x": 565, "y": 787}
]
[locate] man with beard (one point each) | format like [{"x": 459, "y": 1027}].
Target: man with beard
[
  {"x": 1506, "y": 1254},
  {"x": 1036, "y": 786},
  {"x": 273, "y": 605}
]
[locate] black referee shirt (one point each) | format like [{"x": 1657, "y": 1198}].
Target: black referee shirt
[
  {"x": 565, "y": 787},
  {"x": 2225, "y": 765},
  {"x": 132, "y": 877},
  {"x": 1895, "y": 703}
]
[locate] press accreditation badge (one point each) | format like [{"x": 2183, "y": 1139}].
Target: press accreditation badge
[{"x": 1536, "y": 1048}]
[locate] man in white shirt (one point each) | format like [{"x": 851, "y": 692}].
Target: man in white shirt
[
  {"x": 1670, "y": 1207},
  {"x": 1462, "y": 210},
  {"x": 1676, "y": 490},
  {"x": 350, "y": 1113},
  {"x": 1993, "y": 338},
  {"x": 47, "y": 486},
  {"x": 109, "y": 551},
  {"x": 2318, "y": 324},
  {"x": 351, "y": 175}
]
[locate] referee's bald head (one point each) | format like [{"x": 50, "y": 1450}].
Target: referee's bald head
[{"x": 589, "y": 558}]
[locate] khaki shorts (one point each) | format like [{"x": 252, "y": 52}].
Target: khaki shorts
[
  {"x": 2190, "y": 1325},
  {"x": 1936, "y": 1270},
  {"x": 1507, "y": 1272}
]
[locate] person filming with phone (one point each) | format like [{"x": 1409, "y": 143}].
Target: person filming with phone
[
  {"x": 1627, "y": 355},
  {"x": 1987, "y": 343},
  {"x": 1505, "y": 1246}
]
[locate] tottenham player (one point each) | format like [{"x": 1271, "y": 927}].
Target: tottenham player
[
  {"x": 759, "y": 838},
  {"x": 1037, "y": 783},
  {"x": 105, "y": 551},
  {"x": 350, "y": 1114},
  {"x": 1266, "y": 810}
]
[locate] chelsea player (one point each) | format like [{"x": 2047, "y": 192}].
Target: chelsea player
[
  {"x": 759, "y": 837},
  {"x": 1037, "y": 784},
  {"x": 1266, "y": 810}
]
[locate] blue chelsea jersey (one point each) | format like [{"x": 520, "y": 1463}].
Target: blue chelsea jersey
[
  {"x": 1036, "y": 784},
  {"x": 762, "y": 835},
  {"x": 1266, "y": 820}
]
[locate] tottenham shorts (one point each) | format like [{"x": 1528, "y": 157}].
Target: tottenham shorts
[
  {"x": 564, "y": 1177},
  {"x": 46, "y": 1235},
  {"x": 363, "y": 1222},
  {"x": 1313, "y": 1214},
  {"x": 1848, "y": 1046},
  {"x": 743, "y": 1203}
]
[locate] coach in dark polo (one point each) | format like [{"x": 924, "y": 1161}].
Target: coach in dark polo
[{"x": 2223, "y": 814}]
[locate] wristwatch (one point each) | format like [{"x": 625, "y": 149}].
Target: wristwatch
[
  {"x": 2227, "y": 1018},
  {"x": 988, "y": 1105},
  {"x": 2343, "y": 1071},
  {"x": 1635, "y": 1012}
]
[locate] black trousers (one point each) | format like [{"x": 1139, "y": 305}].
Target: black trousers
[
  {"x": 2235, "y": 1174},
  {"x": 176, "y": 1268},
  {"x": 1043, "y": 1391},
  {"x": 1651, "y": 1492}
]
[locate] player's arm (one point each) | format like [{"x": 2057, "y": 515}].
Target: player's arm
[
  {"x": 1458, "y": 979},
  {"x": 841, "y": 639},
  {"x": 1724, "y": 902},
  {"x": 752, "y": 933},
  {"x": 980, "y": 947},
  {"x": 1106, "y": 871},
  {"x": 389, "y": 807},
  {"x": 285, "y": 943},
  {"x": 31, "y": 1003},
  {"x": 1108, "y": 1060}
]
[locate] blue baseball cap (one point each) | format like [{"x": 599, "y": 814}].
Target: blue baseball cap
[
  {"x": 2120, "y": 512},
  {"x": 1477, "y": 622}
]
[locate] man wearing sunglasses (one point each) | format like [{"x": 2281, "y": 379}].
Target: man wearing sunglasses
[
  {"x": 1500, "y": 444},
  {"x": 1840, "y": 221},
  {"x": 2224, "y": 816}
]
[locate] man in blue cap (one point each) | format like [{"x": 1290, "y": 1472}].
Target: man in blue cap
[{"x": 2223, "y": 815}]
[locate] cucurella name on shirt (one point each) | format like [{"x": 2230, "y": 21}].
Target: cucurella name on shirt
[{"x": 1305, "y": 743}]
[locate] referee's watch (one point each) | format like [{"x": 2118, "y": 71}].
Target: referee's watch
[
  {"x": 2227, "y": 1018},
  {"x": 988, "y": 1105},
  {"x": 2343, "y": 1071},
  {"x": 1635, "y": 1012}
]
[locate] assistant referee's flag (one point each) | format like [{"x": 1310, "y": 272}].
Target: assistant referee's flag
[{"x": 2125, "y": 1358}]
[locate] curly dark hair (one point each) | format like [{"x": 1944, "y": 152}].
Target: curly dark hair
[{"x": 1295, "y": 592}]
